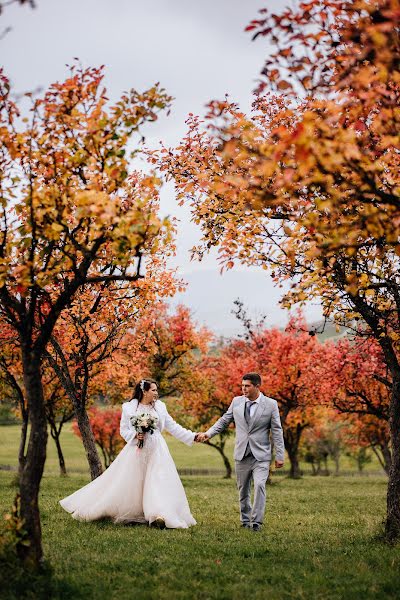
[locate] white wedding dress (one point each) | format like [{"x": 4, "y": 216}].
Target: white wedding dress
[{"x": 140, "y": 485}]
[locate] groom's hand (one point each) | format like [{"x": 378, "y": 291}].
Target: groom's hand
[
  {"x": 278, "y": 464},
  {"x": 201, "y": 437}
]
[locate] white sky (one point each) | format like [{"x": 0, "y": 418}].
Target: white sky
[{"x": 198, "y": 51}]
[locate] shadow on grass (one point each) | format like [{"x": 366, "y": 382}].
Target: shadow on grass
[{"x": 17, "y": 583}]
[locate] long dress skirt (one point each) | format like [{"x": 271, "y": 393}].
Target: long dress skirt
[{"x": 141, "y": 485}]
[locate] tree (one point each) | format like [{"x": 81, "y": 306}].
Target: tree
[
  {"x": 173, "y": 344},
  {"x": 327, "y": 438},
  {"x": 105, "y": 426},
  {"x": 217, "y": 380},
  {"x": 12, "y": 385},
  {"x": 3, "y": 5},
  {"x": 367, "y": 432},
  {"x": 290, "y": 369},
  {"x": 358, "y": 385},
  {"x": 308, "y": 184},
  {"x": 175, "y": 349},
  {"x": 90, "y": 334},
  {"x": 58, "y": 410},
  {"x": 287, "y": 363},
  {"x": 69, "y": 221}
]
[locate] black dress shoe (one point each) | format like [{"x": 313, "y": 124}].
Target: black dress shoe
[
  {"x": 159, "y": 523},
  {"x": 256, "y": 527},
  {"x": 246, "y": 525}
]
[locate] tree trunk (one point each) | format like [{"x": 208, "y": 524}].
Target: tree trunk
[
  {"x": 383, "y": 454},
  {"x": 292, "y": 440},
  {"x": 220, "y": 448},
  {"x": 55, "y": 434},
  {"x": 360, "y": 462},
  {"x": 295, "y": 472},
  {"x": 227, "y": 465},
  {"x": 336, "y": 458},
  {"x": 89, "y": 443},
  {"x": 387, "y": 457},
  {"x": 325, "y": 459},
  {"x": 393, "y": 492},
  {"x": 22, "y": 442},
  {"x": 35, "y": 459},
  {"x": 78, "y": 399}
]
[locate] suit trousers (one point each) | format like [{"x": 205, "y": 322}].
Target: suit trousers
[{"x": 247, "y": 470}]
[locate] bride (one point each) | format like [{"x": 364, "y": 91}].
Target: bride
[{"x": 142, "y": 485}]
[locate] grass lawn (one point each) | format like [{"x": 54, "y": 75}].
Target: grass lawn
[
  {"x": 196, "y": 457},
  {"x": 321, "y": 539},
  {"x": 199, "y": 456}
]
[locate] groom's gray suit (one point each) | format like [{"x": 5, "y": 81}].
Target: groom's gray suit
[{"x": 253, "y": 450}]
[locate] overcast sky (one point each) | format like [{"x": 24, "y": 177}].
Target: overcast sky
[{"x": 198, "y": 51}]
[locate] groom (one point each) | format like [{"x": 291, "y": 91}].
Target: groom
[{"x": 256, "y": 418}]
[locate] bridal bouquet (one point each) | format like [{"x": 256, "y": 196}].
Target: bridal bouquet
[{"x": 144, "y": 423}]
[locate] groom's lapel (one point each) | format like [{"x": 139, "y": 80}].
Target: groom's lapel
[
  {"x": 258, "y": 412},
  {"x": 242, "y": 404}
]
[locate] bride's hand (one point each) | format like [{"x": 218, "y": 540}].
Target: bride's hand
[{"x": 140, "y": 436}]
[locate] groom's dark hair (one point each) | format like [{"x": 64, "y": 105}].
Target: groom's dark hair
[{"x": 255, "y": 378}]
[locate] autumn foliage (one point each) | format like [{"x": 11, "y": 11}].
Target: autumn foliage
[
  {"x": 72, "y": 218},
  {"x": 105, "y": 427},
  {"x": 358, "y": 385},
  {"x": 172, "y": 344},
  {"x": 308, "y": 183}
]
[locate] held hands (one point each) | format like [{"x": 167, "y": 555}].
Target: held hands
[{"x": 201, "y": 437}]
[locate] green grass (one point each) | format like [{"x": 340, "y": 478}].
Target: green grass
[
  {"x": 196, "y": 457},
  {"x": 200, "y": 456},
  {"x": 320, "y": 541}
]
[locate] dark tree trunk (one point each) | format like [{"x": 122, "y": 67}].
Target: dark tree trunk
[
  {"x": 107, "y": 460},
  {"x": 387, "y": 457},
  {"x": 325, "y": 460},
  {"x": 336, "y": 459},
  {"x": 56, "y": 434},
  {"x": 393, "y": 492},
  {"x": 89, "y": 443},
  {"x": 22, "y": 442},
  {"x": 295, "y": 472},
  {"x": 360, "y": 461},
  {"x": 220, "y": 447},
  {"x": 78, "y": 398},
  {"x": 227, "y": 464},
  {"x": 32, "y": 471},
  {"x": 383, "y": 454},
  {"x": 292, "y": 440}
]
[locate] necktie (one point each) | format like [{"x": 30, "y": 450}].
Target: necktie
[{"x": 247, "y": 411}]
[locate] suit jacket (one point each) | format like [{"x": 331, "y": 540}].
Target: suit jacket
[
  {"x": 264, "y": 425},
  {"x": 165, "y": 422}
]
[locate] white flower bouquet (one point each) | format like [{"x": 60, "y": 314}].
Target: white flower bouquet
[{"x": 144, "y": 423}]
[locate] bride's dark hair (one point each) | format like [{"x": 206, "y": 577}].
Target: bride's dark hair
[{"x": 142, "y": 386}]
